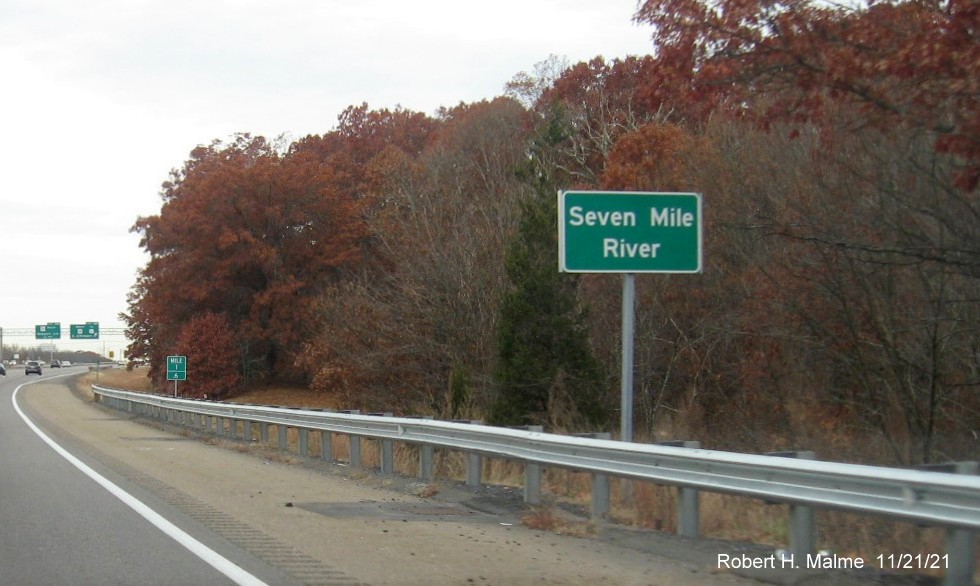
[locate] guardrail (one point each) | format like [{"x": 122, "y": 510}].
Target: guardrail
[{"x": 923, "y": 497}]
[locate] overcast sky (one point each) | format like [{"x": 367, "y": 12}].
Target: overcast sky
[{"x": 101, "y": 99}]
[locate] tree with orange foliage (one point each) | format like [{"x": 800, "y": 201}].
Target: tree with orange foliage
[
  {"x": 251, "y": 234},
  {"x": 426, "y": 305},
  {"x": 901, "y": 63},
  {"x": 867, "y": 225},
  {"x": 212, "y": 355}
]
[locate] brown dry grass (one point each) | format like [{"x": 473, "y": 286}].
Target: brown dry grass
[
  {"x": 120, "y": 378},
  {"x": 288, "y": 397}
]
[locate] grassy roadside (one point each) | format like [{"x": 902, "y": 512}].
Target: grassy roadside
[
  {"x": 648, "y": 506},
  {"x": 119, "y": 378},
  {"x": 137, "y": 380}
]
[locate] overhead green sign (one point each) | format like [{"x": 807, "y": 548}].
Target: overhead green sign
[
  {"x": 629, "y": 232},
  {"x": 176, "y": 368},
  {"x": 48, "y": 331},
  {"x": 86, "y": 331}
]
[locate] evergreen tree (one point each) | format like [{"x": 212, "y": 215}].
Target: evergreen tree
[{"x": 547, "y": 371}]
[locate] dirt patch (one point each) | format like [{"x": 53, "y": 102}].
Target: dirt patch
[{"x": 287, "y": 397}]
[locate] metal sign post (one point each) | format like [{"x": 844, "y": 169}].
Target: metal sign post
[
  {"x": 629, "y": 233},
  {"x": 626, "y": 382}
]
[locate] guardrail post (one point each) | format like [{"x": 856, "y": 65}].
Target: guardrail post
[
  {"x": 326, "y": 445},
  {"x": 354, "y": 442},
  {"x": 801, "y": 527},
  {"x": 961, "y": 544},
  {"x": 264, "y": 433},
  {"x": 326, "y": 448},
  {"x": 427, "y": 457},
  {"x": 355, "y": 450},
  {"x": 600, "y": 485},
  {"x": 532, "y": 475},
  {"x": 474, "y": 461},
  {"x": 689, "y": 506},
  {"x": 601, "y": 495},
  {"x": 387, "y": 452},
  {"x": 426, "y": 453},
  {"x": 474, "y": 470},
  {"x": 304, "y": 442},
  {"x": 283, "y": 432},
  {"x": 688, "y": 499}
]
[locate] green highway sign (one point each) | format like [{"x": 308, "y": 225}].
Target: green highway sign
[
  {"x": 176, "y": 368},
  {"x": 86, "y": 331},
  {"x": 48, "y": 331},
  {"x": 629, "y": 232}
]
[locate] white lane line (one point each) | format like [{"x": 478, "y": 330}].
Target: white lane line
[{"x": 234, "y": 572}]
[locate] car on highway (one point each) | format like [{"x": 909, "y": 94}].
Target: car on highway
[
  {"x": 3, "y": 369},
  {"x": 32, "y": 366},
  {"x": 55, "y": 364}
]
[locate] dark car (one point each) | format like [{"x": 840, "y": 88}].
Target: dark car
[
  {"x": 3, "y": 370},
  {"x": 32, "y": 366},
  {"x": 55, "y": 364}
]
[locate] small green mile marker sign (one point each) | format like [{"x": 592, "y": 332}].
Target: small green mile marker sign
[
  {"x": 176, "y": 368},
  {"x": 629, "y": 232}
]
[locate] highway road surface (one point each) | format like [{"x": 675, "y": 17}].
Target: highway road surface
[{"x": 89, "y": 496}]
